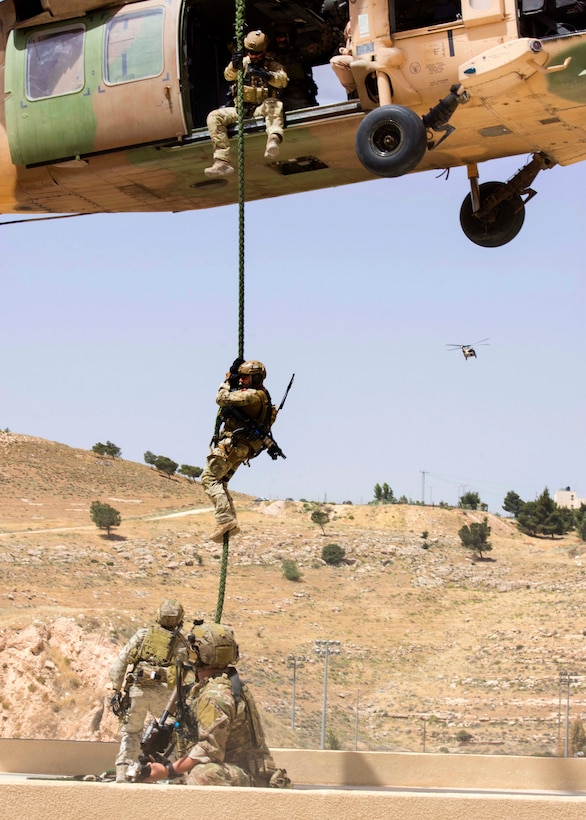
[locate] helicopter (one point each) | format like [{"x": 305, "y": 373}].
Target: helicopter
[
  {"x": 105, "y": 102},
  {"x": 468, "y": 351}
]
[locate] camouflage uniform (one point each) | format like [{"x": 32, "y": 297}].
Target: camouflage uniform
[
  {"x": 341, "y": 62},
  {"x": 149, "y": 693},
  {"x": 231, "y": 451},
  {"x": 260, "y": 100},
  {"x": 231, "y": 749}
]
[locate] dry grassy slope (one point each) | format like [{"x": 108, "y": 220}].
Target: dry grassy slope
[{"x": 426, "y": 633}]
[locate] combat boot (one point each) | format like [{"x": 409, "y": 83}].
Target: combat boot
[
  {"x": 220, "y": 168},
  {"x": 121, "y": 770},
  {"x": 230, "y": 527},
  {"x": 273, "y": 146}
]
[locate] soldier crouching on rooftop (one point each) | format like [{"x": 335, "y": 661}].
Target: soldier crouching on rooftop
[{"x": 231, "y": 749}]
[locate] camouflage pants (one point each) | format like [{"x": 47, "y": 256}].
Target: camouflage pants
[
  {"x": 218, "y": 774},
  {"x": 144, "y": 700},
  {"x": 341, "y": 67},
  {"x": 221, "y": 465},
  {"x": 219, "y": 120}
]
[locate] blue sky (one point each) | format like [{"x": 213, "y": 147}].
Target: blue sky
[{"x": 121, "y": 327}]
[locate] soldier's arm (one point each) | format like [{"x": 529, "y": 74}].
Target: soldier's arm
[
  {"x": 279, "y": 78},
  {"x": 230, "y": 73},
  {"x": 239, "y": 398},
  {"x": 118, "y": 668}
]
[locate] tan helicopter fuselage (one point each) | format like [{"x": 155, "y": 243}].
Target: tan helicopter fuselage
[{"x": 118, "y": 123}]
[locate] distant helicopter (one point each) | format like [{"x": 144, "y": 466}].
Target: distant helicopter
[{"x": 468, "y": 350}]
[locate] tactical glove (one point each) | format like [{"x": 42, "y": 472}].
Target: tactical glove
[
  {"x": 237, "y": 60},
  {"x": 234, "y": 376},
  {"x": 261, "y": 73},
  {"x": 143, "y": 773}
]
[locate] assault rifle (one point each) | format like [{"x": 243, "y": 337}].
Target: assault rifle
[
  {"x": 255, "y": 430},
  {"x": 120, "y": 702},
  {"x": 160, "y": 736}
]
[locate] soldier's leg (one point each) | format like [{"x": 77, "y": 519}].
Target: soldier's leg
[
  {"x": 221, "y": 465},
  {"x": 218, "y": 774},
  {"x": 213, "y": 481},
  {"x": 131, "y": 733},
  {"x": 272, "y": 111},
  {"x": 218, "y": 122}
]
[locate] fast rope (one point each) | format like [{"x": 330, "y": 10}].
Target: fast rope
[{"x": 239, "y": 27}]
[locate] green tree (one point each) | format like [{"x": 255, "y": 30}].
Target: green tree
[
  {"x": 107, "y": 449},
  {"x": 333, "y": 554},
  {"x": 475, "y": 537},
  {"x": 469, "y": 501},
  {"x": 384, "y": 494},
  {"x": 150, "y": 458},
  {"x": 104, "y": 516},
  {"x": 320, "y": 517},
  {"x": 544, "y": 517},
  {"x": 388, "y": 495},
  {"x": 290, "y": 570},
  {"x": 580, "y": 521},
  {"x": 513, "y": 503},
  {"x": 191, "y": 472},
  {"x": 166, "y": 465}
]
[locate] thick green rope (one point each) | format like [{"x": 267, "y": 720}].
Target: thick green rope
[{"x": 239, "y": 26}]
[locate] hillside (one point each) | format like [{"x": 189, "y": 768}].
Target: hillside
[{"x": 432, "y": 643}]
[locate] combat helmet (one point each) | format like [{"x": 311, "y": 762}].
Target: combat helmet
[
  {"x": 170, "y": 613},
  {"x": 214, "y": 645},
  {"x": 253, "y": 368},
  {"x": 256, "y": 41}
]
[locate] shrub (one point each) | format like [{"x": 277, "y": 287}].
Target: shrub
[
  {"x": 291, "y": 570},
  {"x": 333, "y": 554}
]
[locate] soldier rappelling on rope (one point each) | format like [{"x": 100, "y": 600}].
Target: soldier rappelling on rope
[{"x": 243, "y": 431}]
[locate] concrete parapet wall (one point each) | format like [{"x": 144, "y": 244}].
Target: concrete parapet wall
[
  {"x": 452, "y": 780},
  {"x": 316, "y": 768},
  {"x": 37, "y": 800}
]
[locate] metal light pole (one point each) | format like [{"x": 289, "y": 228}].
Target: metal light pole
[
  {"x": 294, "y": 663},
  {"x": 567, "y": 678},
  {"x": 325, "y": 648}
]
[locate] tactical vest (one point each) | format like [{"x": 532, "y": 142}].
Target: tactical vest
[
  {"x": 253, "y": 94},
  {"x": 246, "y": 745},
  {"x": 158, "y": 646},
  {"x": 265, "y": 416}
]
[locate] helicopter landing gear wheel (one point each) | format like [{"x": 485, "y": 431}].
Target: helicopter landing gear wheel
[
  {"x": 500, "y": 225},
  {"x": 391, "y": 141}
]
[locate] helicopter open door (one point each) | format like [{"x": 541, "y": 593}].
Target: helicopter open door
[{"x": 100, "y": 82}]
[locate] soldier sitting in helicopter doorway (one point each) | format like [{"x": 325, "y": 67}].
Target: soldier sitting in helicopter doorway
[{"x": 262, "y": 77}]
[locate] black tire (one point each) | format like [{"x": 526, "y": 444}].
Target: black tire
[
  {"x": 391, "y": 141},
  {"x": 500, "y": 226}
]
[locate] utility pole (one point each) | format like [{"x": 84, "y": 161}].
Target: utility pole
[
  {"x": 325, "y": 648},
  {"x": 294, "y": 663},
  {"x": 567, "y": 678}
]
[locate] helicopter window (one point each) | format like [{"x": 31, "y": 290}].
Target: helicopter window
[
  {"x": 54, "y": 63},
  {"x": 134, "y": 46},
  {"x": 424, "y": 13},
  {"x": 550, "y": 18}
]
